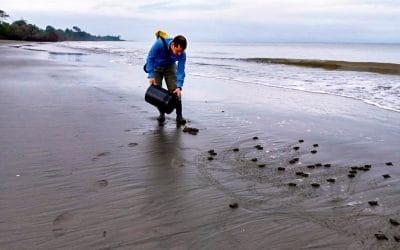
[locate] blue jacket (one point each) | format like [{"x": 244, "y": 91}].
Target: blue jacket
[{"x": 159, "y": 58}]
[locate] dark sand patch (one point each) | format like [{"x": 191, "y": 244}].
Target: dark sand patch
[{"x": 383, "y": 68}]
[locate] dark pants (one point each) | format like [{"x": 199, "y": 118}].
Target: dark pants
[{"x": 169, "y": 74}]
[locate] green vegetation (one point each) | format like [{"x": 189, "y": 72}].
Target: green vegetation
[{"x": 21, "y": 30}]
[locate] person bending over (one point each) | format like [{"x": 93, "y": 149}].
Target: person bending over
[{"x": 166, "y": 60}]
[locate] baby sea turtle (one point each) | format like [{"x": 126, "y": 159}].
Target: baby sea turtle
[
  {"x": 210, "y": 158},
  {"x": 315, "y": 145},
  {"x": 192, "y": 131},
  {"x": 261, "y": 165},
  {"x": 255, "y": 138},
  {"x": 259, "y": 147},
  {"x": 313, "y": 151},
  {"x": 281, "y": 169},
  {"x": 389, "y": 164},
  {"x": 353, "y": 172},
  {"x": 311, "y": 166},
  {"x": 296, "y": 148},
  {"x": 302, "y": 174},
  {"x": 386, "y": 176},
  {"x": 394, "y": 222},
  {"x": 234, "y": 205},
  {"x": 318, "y": 165},
  {"x": 381, "y": 236},
  {"x": 397, "y": 237},
  {"x": 373, "y": 203},
  {"x": 327, "y": 165},
  {"x": 212, "y": 152},
  {"x": 235, "y": 150},
  {"x": 351, "y": 175},
  {"x": 354, "y": 168},
  {"x": 291, "y": 184},
  {"x": 331, "y": 180},
  {"x": 315, "y": 185},
  {"x": 294, "y": 160},
  {"x": 254, "y": 160},
  {"x": 301, "y": 141},
  {"x": 367, "y": 166}
]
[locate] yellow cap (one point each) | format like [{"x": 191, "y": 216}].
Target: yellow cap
[{"x": 161, "y": 33}]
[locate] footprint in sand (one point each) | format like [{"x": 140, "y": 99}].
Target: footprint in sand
[
  {"x": 102, "y": 183},
  {"x": 100, "y": 155},
  {"x": 59, "y": 223}
]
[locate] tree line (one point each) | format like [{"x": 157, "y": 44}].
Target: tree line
[{"x": 22, "y": 30}]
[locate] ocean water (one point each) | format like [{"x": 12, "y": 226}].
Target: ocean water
[{"x": 228, "y": 61}]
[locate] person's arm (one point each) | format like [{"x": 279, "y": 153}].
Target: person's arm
[
  {"x": 151, "y": 61},
  {"x": 180, "y": 72}
]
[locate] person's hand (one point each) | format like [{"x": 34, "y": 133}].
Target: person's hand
[
  {"x": 152, "y": 81},
  {"x": 178, "y": 92}
]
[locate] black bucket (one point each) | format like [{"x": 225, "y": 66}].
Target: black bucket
[{"x": 164, "y": 100}]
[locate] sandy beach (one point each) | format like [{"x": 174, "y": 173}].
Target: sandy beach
[{"x": 85, "y": 165}]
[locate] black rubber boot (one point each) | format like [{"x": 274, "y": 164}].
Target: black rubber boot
[
  {"x": 179, "y": 118},
  {"x": 161, "y": 117}
]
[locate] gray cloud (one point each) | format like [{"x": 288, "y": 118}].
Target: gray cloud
[
  {"x": 112, "y": 6},
  {"x": 170, "y": 5},
  {"x": 349, "y": 21}
]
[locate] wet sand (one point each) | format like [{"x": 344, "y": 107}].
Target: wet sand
[{"x": 85, "y": 165}]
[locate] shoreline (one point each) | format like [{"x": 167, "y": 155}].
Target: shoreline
[
  {"x": 13, "y": 42},
  {"x": 86, "y": 166},
  {"x": 376, "y": 105}
]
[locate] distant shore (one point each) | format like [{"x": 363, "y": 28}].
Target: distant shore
[
  {"x": 9, "y": 42},
  {"x": 383, "y": 68},
  {"x": 85, "y": 164}
]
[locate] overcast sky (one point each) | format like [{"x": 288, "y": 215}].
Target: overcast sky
[{"x": 221, "y": 20}]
